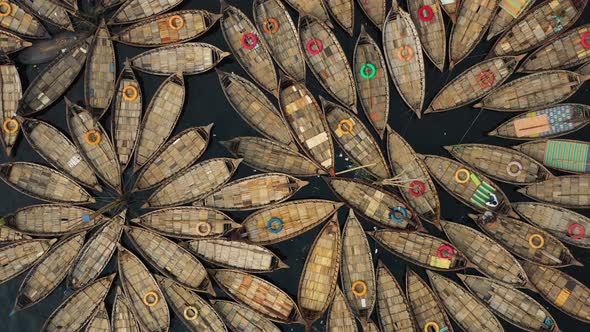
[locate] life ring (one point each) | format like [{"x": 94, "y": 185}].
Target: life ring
[
  {"x": 363, "y": 288},
  {"x": 511, "y": 165},
  {"x": 459, "y": 172},
  {"x": 93, "y": 137},
  {"x": 187, "y": 313},
  {"x": 538, "y": 237},
  {"x": 408, "y": 51},
  {"x": 318, "y": 43},
  {"x": 417, "y": 185},
  {"x": 345, "y": 126},
  {"x": 270, "y": 225},
  {"x": 441, "y": 250},
  {"x": 434, "y": 325},
  {"x": 147, "y": 296},
  {"x": 486, "y": 79},
  {"x": 252, "y": 37},
  {"x": 364, "y": 72},
  {"x": 10, "y": 126},
  {"x": 172, "y": 22},
  {"x": 270, "y": 25},
  {"x": 572, "y": 228},
  {"x": 5, "y": 8},
  {"x": 429, "y": 13},
  {"x": 584, "y": 39},
  {"x": 548, "y": 322},
  {"x": 203, "y": 228},
  {"x": 399, "y": 209},
  {"x": 130, "y": 89}
]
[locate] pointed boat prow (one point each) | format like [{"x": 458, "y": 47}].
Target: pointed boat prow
[{"x": 493, "y": 133}]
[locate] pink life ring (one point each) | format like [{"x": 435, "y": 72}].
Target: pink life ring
[
  {"x": 584, "y": 39},
  {"x": 249, "y": 36},
  {"x": 417, "y": 188},
  {"x": 318, "y": 43},
  {"x": 572, "y": 228},
  {"x": 429, "y": 13},
  {"x": 442, "y": 249}
]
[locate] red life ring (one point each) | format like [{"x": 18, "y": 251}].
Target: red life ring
[
  {"x": 486, "y": 79},
  {"x": 572, "y": 228},
  {"x": 417, "y": 188},
  {"x": 318, "y": 43},
  {"x": 249, "y": 36},
  {"x": 442, "y": 249},
  {"x": 584, "y": 39},
  {"x": 429, "y": 12}
]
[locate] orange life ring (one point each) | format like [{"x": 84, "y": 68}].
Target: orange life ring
[
  {"x": 345, "y": 126},
  {"x": 434, "y": 325},
  {"x": 207, "y": 228},
  {"x": 486, "y": 79},
  {"x": 5, "y": 8},
  {"x": 186, "y": 314},
  {"x": 405, "y": 49},
  {"x": 134, "y": 93},
  {"x": 93, "y": 137},
  {"x": 147, "y": 296},
  {"x": 538, "y": 237},
  {"x": 172, "y": 22},
  {"x": 270, "y": 25},
  {"x": 363, "y": 288},
  {"x": 458, "y": 177},
  {"x": 10, "y": 126}
]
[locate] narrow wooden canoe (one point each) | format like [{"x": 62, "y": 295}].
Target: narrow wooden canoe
[
  {"x": 136, "y": 10},
  {"x": 421, "y": 249},
  {"x": 356, "y": 270},
  {"x": 428, "y": 19},
  {"x": 355, "y": 139},
  {"x": 43, "y": 183},
  {"x": 100, "y": 71},
  {"x": 187, "y": 58},
  {"x": 248, "y": 47},
  {"x": 379, "y": 206},
  {"x": 403, "y": 53},
  {"x": 408, "y": 167},
  {"x": 122, "y": 317},
  {"x": 465, "y": 309},
  {"x": 275, "y": 25},
  {"x": 526, "y": 241},
  {"x": 79, "y": 308},
  {"x": 9, "y": 235},
  {"x": 195, "y": 313},
  {"x": 469, "y": 187},
  {"x": 239, "y": 317},
  {"x": 51, "y": 270},
  {"x": 343, "y": 12},
  {"x": 500, "y": 163},
  {"x": 493, "y": 261},
  {"x": 340, "y": 317},
  {"x": 100, "y": 321},
  {"x": 175, "y": 156},
  {"x": 94, "y": 144},
  {"x": 19, "y": 256},
  {"x": 541, "y": 24},
  {"x": 254, "y": 107},
  {"x": 307, "y": 122},
  {"x": 10, "y": 43},
  {"x": 568, "y": 191},
  {"x": 97, "y": 252},
  {"x": 451, "y": 7},
  {"x": 284, "y": 221},
  {"x": 564, "y": 155},
  {"x": 245, "y": 288},
  {"x": 326, "y": 59},
  {"x": 11, "y": 93},
  {"x": 315, "y": 8},
  {"x": 20, "y": 21},
  {"x": 534, "y": 92},
  {"x": 473, "y": 20},
  {"x": 372, "y": 83},
  {"x": 393, "y": 309},
  {"x": 49, "y": 12},
  {"x": 376, "y": 10},
  {"x": 268, "y": 156},
  {"x": 473, "y": 84},
  {"x": 509, "y": 12},
  {"x": 53, "y": 81},
  {"x": 425, "y": 306},
  {"x": 564, "y": 224},
  {"x": 160, "y": 118},
  {"x": 546, "y": 123},
  {"x": 57, "y": 149},
  {"x": 514, "y": 306},
  {"x": 170, "y": 28}
]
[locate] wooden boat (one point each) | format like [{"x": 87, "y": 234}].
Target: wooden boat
[
  {"x": 146, "y": 300},
  {"x": 469, "y": 187},
  {"x": 566, "y": 225},
  {"x": 9, "y": 235},
  {"x": 315, "y": 8},
  {"x": 79, "y": 308},
  {"x": 239, "y": 317},
  {"x": 97, "y": 252},
  {"x": 284, "y": 221},
  {"x": 19, "y": 256},
  {"x": 106, "y": 4},
  {"x": 136, "y": 10},
  {"x": 564, "y": 155},
  {"x": 45, "y": 50},
  {"x": 427, "y": 309},
  {"x": 20, "y": 21},
  {"x": 541, "y": 24},
  {"x": 326, "y": 59},
  {"x": 253, "y": 192},
  {"x": 343, "y": 12},
  {"x": 169, "y": 28},
  {"x": 466, "y": 310},
  {"x": 245, "y": 288},
  {"x": 307, "y": 122},
  {"x": 100, "y": 71},
  {"x": 514, "y": 306},
  {"x": 254, "y": 107},
  {"x": 319, "y": 277},
  {"x": 379, "y": 206},
  {"x": 160, "y": 118},
  {"x": 100, "y": 321},
  {"x": 525, "y": 240},
  {"x": 372, "y": 83},
  {"x": 372, "y": 327},
  {"x": 508, "y": 13},
  {"x": 473, "y": 20},
  {"x": 280, "y": 34},
  {"x": 403, "y": 53},
  {"x": 53, "y": 81},
  {"x": 57, "y": 149},
  {"x": 340, "y": 317},
  {"x": 533, "y": 92},
  {"x": 195, "y": 313},
  {"x": 493, "y": 261},
  {"x": 546, "y": 123},
  {"x": 11, "y": 94},
  {"x": 268, "y": 156},
  {"x": 49, "y": 12},
  {"x": 10, "y": 43},
  {"x": 567, "y": 191},
  {"x": 393, "y": 309},
  {"x": 421, "y": 249},
  {"x": 473, "y": 84},
  {"x": 356, "y": 271},
  {"x": 44, "y": 278},
  {"x": 123, "y": 318},
  {"x": 248, "y": 48},
  {"x": 43, "y": 183},
  {"x": 451, "y": 7},
  {"x": 189, "y": 59},
  {"x": 355, "y": 139},
  {"x": 428, "y": 19},
  {"x": 375, "y": 11},
  {"x": 92, "y": 141},
  {"x": 584, "y": 69},
  {"x": 408, "y": 167},
  {"x": 175, "y": 156},
  {"x": 565, "y": 293},
  {"x": 500, "y": 163},
  {"x": 194, "y": 183}
]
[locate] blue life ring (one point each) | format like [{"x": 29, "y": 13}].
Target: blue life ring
[
  {"x": 271, "y": 222},
  {"x": 400, "y": 209}
]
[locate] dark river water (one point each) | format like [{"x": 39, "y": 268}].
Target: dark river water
[{"x": 206, "y": 104}]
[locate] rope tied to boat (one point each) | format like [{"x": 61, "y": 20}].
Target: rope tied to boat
[
  {"x": 5, "y": 8},
  {"x": 539, "y": 238},
  {"x": 176, "y": 22},
  {"x": 425, "y": 13},
  {"x": 93, "y": 137},
  {"x": 371, "y": 74},
  {"x": 203, "y": 228},
  {"x": 190, "y": 313},
  {"x": 319, "y": 46},
  {"x": 249, "y": 40},
  {"x": 486, "y": 79},
  {"x": 130, "y": 93},
  {"x": 359, "y": 288},
  {"x": 270, "y": 25},
  {"x": 405, "y": 53},
  {"x": 274, "y": 225},
  {"x": 151, "y": 298},
  {"x": 576, "y": 231},
  {"x": 10, "y": 126},
  {"x": 398, "y": 210}
]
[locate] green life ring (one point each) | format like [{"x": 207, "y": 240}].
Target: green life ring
[{"x": 373, "y": 71}]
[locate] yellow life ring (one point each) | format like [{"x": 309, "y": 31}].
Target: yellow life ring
[
  {"x": 203, "y": 232},
  {"x": 345, "y": 126},
  {"x": 93, "y": 137},
  {"x": 147, "y": 296},
  {"x": 134, "y": 93},
  {"x": 458, "y": 174},
  {"x": 538, "y": 237},
  {"x": 407, "y": 50},
  {"x": 363, "y": 288},
  {"x": 434, "y": 325},
  {"x": 172, "y": 22},
  {"x": 5, "y": 8},
  {"x": 187, "y": 313},
  {"x": 10, "y": 126}
]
